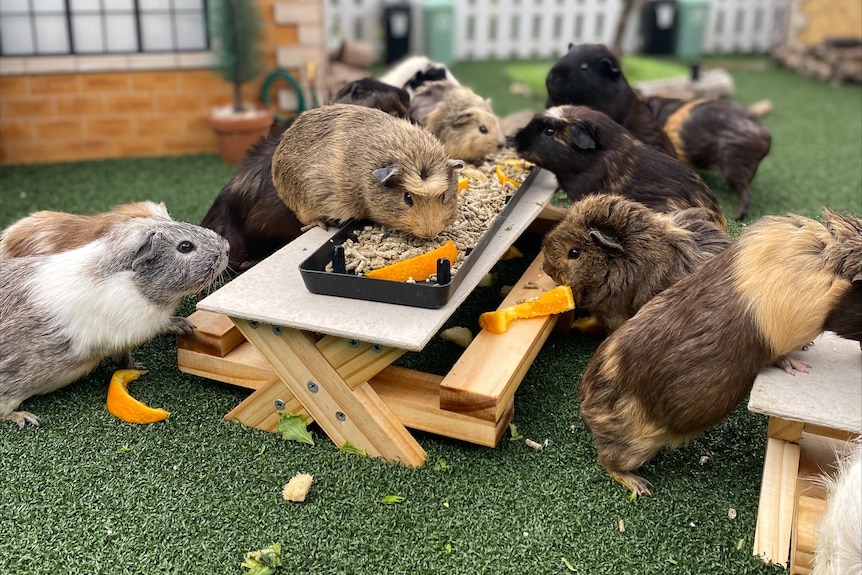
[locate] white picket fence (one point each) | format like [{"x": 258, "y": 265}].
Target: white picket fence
[{"x": 523, "y": 29}]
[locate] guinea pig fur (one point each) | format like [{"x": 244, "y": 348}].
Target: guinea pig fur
[
  {"x": 248, "y": 212},
  {"x": 373, "y": 93},
  {"x": 413, "y": 71},
  {"x": 691, "y": 354},
  {"x": 341, "y": 162},
  {"x": 590, "y": 153},
  {"x": 718, "y": 134},
  {"x": 591, "y": 75},
  {"x": 845, "y": 319},
  {"x": 458, "y": 117},
  {"x": 61, "y": 314},
  {"x": 839, "y": 533},
  {"x": 48, "y": 232},
  {"x": 617, "y": 254}
]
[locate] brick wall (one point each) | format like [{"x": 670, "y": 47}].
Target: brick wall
[{"x": 52, "y": 117}]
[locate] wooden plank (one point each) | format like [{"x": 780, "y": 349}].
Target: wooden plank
[
  {"x": 215, "y": 334},
  {"x": 356, "y": 361},
  {"x": 261, "y": 409},
  {"x": 784, "y": 429},
  {"x": 483, "y": 381},
  {"x": 243, "y": 366},
  {"x": 809, "y": 510},
  {"x": 414, "y": 396},
  {"x": 777, "y": 502},
  {"x": 350, "y": 415},
  {"x": 547, "y": 219}
]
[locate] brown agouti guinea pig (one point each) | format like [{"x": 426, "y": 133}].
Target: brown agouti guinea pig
[
  {"x": 341, "y": 162},
  {"x": 691, "y": 354},
  {"x": 590, "y": 153},
  {"x": 617, "y": 254},
  {"x": 373, "y": 93},
  {"x": 458, "y": 117},
  {"x": 591, "y": 75},
  {"x": 720, "y": 135}
]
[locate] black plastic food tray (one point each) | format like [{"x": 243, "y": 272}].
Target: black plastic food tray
[{"x": 423, "y": 294}]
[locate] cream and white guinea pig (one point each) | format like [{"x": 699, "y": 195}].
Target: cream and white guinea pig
[
  {"x": 458, "y": 117},
  {"x": 48, "y": 232}
]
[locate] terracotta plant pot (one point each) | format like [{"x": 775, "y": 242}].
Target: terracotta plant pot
[{"x": 236, "y": 133}]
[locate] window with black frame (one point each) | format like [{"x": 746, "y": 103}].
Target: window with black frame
[{"x": 97, "y": 27}]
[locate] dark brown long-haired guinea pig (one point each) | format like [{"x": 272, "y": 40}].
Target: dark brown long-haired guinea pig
[
  {"x": 591, "y": 75},
  {"x": 248, "y": 212},
  {"x": 590, "y": 153},
  {"x": 718, "y": 135},
  {"x": 617, "y": 254},
  {"x": 373, "y": 93},
  {"x": 341, "y": 162},
  {"x": 691, "y": 354}
]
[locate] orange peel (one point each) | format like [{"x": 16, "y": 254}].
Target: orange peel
[
  {"x": 556, "y": 300},
  {"x": 462, "y": 183},
  {"x": 122, "y": 405},
  {"x": 418, "y": 267},
  {"x": 504, "y": 178}
]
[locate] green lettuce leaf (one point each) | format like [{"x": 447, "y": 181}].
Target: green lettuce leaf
[
  {"x": 293, "y": 427},
  {"x": 262, "y": 562}
]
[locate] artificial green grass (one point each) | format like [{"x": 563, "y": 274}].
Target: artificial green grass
[{"x": 87, "y": 493}]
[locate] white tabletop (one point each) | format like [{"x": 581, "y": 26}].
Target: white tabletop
[
  {"x": 829, "y": 395},
  {"x": 273, "y": 290}
]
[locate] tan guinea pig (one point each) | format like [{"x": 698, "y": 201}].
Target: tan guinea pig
[
  {"x": 48, "y": 232},
  {"x": 341, "y": 162}
]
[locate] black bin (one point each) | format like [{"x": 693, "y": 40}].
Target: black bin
[
  {"x": 658, "y": 26},
  {"x": 396, "y": 25}
]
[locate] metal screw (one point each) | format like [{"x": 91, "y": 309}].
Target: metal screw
[
  {"x": 253, "y": 324},
  {"x": 352, "y": 343},
  {"x": 376, "y": 347},
  {"x": 340, "y": 416},
  {"x": 312, "y": 386},
  {"x": 279, "y": 404},
  {"x": 276, "y": 330}
]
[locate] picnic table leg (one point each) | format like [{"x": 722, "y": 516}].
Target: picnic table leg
[{"x": 346, "y": 413}]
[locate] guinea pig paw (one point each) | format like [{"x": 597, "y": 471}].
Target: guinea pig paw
[
  {"x": 791, "y": 365},
  {"x": 179, "y": 326},
  {"x": 22, "y": 418},
  {"x": 634, "y": 483}
]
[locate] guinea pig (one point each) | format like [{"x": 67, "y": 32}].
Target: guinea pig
[
  {"x": 692, "y": 353},
  {"x": 617, "y": 254},
  {"x": 413, "y": 71},
  {"x": 718, "y": 134},
  {"x": 48, "y": 232},
  {"x": 61, "y": 314},
  {"x": 839, "y": 532},
  {"x": 341, "y": 162},
  {"x": 458, "y": 117},
  {"x": 373, "y": 93},
  {"x": 845, "y": 319},
  {"x": 248, "y": 212},
  {"x": 590, "y": 153},
  {"x": 591, "y": 75}
]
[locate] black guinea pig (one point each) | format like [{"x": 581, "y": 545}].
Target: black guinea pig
[
  {"x": 718, "y": 134},
  {"x": 591, "y": 75},
  {"x": 591, "y": 154},
  {"x": 373, "y": 93}
]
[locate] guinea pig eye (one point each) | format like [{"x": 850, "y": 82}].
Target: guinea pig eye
[
  {"x": 408, "y": 199},
  {"x": 574, "y": 253},
  {"x": 550, "y": 131},
  {"x": 483, "y": 128},
  {"x": 185, "y": 247},
  {"x": 584, "y": 66}
]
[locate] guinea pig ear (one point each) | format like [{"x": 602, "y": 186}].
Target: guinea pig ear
[
  {"x": 583, "y": 135},
  {"x": 145, "y": 250},
  {"x": 609, "y": 68},
  {"x": 456, "y": 164},
  {"x": 383, "y": 174},
  {"x": 464, "y": 117},
  {"x": 605, "y": 241}
]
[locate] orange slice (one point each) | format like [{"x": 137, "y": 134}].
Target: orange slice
[
  {"x": 553, "y": 301},
  {"x": 503, "y": 178},
  {"x": 124, "y": 406},
  {"x": 418, "y": 267},
  {"x": 462, "y": 183}
]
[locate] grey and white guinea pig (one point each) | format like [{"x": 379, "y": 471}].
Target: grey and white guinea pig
[
  {"x": 76, "y": 307},
  {"x": 48, "y": 232},
  {"x": 413, "y": 71},
  {"x": 342, "y": 162},
  {"x": 616, "y": 254},
  {"x": 461, "y": 119}
]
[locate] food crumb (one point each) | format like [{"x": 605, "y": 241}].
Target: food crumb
[{"x": 297, "y": 488}]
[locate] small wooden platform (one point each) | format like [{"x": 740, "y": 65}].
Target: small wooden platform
[{"x": 811, "y": 418}]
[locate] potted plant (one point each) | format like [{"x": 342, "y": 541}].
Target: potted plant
[{"x": 235, "y": 32}]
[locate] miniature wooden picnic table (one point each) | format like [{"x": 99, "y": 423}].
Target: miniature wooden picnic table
[{"x": 329, "y": 358}]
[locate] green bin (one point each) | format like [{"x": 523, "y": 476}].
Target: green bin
[
  {"x": 439, "y": 16},
  {"x": 691, "y": 18}
]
